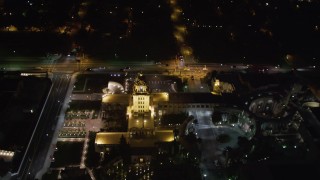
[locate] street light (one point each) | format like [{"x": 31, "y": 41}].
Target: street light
[
  {"x": 144, "y": 121},
  {"x": 146, "y": 57}
]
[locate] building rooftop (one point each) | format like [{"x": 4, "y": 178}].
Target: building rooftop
[
  {"x": 116, "y": 98},
  {"x": 113, "y": 138},
  {"x": 110, "y": 138},
  {"x": 158, "y": 97},
  {"x": 164, "y": 135},
  {"x": 200, "y": 98}
]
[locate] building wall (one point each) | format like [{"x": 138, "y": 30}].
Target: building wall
[{"x": 167, "y": 108}]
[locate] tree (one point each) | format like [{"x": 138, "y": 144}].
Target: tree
[
  {"x": 233, "y": 118},
  {"x": 216, "y": 117},
  {"x": 167, "y": 119},
  {"x": 124, "y": 149}
]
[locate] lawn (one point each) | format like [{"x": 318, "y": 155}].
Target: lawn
[
  {"x": 80, "y": 82},
  {"x": 168, "y": 119},
  {"x": 51, "y": 175},
  {"x": 80, "y": 105},
  {"x": 68, "y": 153},
  {"x": 93, "y": 157},
  {"x": 94, "y": 83}
]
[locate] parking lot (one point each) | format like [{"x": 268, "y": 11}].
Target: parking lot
[{"x": 163, "y": 83}]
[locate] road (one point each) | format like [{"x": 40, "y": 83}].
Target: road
[
  {"x": 44, "y": 132},
  {"x": 60, "y": 63}
]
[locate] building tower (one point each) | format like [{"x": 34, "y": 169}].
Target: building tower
[{"x": 140, "y": 107}]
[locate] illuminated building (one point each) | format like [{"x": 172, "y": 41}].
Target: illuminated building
[
  {"x": 140, "y": 115},
  {"x": 144, "y": 111}
]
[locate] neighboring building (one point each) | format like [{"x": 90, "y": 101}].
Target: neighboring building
[{"x": 220, "y": 87}]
